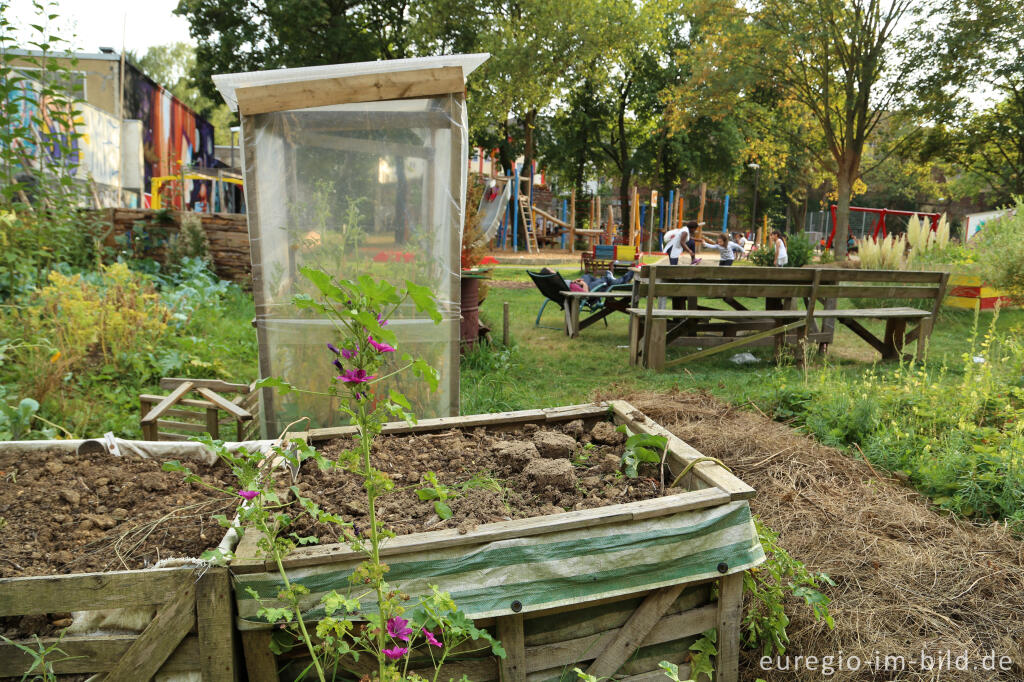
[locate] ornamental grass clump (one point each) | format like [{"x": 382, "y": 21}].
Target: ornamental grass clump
[{"x": 406, "y": 636}]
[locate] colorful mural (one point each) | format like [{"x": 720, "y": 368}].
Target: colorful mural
[{"x": 171, "y": 133}]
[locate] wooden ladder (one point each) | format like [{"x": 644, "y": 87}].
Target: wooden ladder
[{"x": 526, "y": 210}]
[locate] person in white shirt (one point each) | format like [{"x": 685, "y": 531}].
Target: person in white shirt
[
  {"x": 728, "y": 249},
  {"x": 677, "y": 241},
  {"x": 781, "y": 255}
]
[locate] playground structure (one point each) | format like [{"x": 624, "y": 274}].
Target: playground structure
[
  {"x": 880, "y": 225},
  {"x": 178, "y": 195},
  {"x": 558, "y": 226}
]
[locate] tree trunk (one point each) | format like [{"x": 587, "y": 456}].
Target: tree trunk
[
  {"x": 528, "y": 122},
  {"x": 845, "y": 186},
  {"x": 624, "y": 199}
]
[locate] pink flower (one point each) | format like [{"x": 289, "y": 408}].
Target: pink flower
[
  {"x": 398, "y": 628},
  {"x": 381, "y": 321},
  {"x": 248, "y": 494},
  {"x": 356, "y": 376},
  {"x": 348, "y": 354},
  {"x": 429, "y": 636},
  {"x": 380, "y": 346},
  {"x": 331, "y": 347},
  {"x": 396, "y": 652}
]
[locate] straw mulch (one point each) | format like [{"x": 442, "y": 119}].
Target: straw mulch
[{"x": 909, "y": 579}]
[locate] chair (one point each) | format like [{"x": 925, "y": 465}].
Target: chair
[{"x": 553, "y": 286}]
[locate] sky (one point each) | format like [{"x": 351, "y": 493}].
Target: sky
[{"x": 144, "y": 23}]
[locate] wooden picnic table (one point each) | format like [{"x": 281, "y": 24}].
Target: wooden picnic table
[
  {"x": 615, "y": 301},
  {"x": 690, "y": 323}
]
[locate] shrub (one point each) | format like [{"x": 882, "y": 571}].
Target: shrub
[
  {"x": 800, "y": 249},
  {"x": 763, "y": 255},
  {"x": 1000, "y": 252},
  {"x": 189, "y": 242}
]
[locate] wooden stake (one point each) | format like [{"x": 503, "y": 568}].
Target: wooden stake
[
  {"x": 572, "y": 222},
  {"x": 504, "y": 324}
]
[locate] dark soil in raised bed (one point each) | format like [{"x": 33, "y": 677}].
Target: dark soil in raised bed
[
  {"x": 496, "y": 476},
  {"x": 63, "y": 513}
]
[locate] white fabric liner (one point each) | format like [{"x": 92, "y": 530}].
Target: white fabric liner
[{"x": 228, "y": 83}]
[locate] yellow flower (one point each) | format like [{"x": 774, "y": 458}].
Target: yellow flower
[{"x": 55, "y": 357}]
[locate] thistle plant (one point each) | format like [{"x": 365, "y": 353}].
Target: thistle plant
[{"x": 370, "y": 617}]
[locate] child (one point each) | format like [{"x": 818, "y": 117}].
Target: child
[
  {"x": 679, "y": 240},
  {"x": 728, "y": 249},
  {"x": 781, "y": 254}
]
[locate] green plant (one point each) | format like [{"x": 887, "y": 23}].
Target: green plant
[
  {"x": 439, "y": 493},
  {"x": 16, "y": 421},
  {"x": 701, "y": 667},
  {"x": 42, "y": 656},
  {"x": 1000, "y": 251},
  {"x": 765, "y": 621},
  {"x": 763, "y": 255},
  {"x": 800, "y": 250},
  {"x": 361, "y": 360},
  {"x": 189, "y": 242},
  {"x": 642, "y": 447}
]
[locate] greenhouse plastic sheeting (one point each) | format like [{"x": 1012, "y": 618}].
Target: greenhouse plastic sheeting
[
  {"x": 374, "y": 188},
  {"x": 544, "y": 571}
]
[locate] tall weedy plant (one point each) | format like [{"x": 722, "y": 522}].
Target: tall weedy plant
[{"x": 371, "y": 617}]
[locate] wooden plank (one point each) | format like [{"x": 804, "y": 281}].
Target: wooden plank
[
  {"x": 739, "y": 342},
  {"x": 437, "y": 424},
  {"x": 262, "y": 99},
  {"x": 597, "y": 294},
  {"x": 632, "y": 635},
  {"x": 706, "y": 314},
  {"x": 183, "y": 426},
  {"x": 260, "y": 664},
  {"x": 215, "y": 626},
  {"x": 735, "y": 273},
  {"x": 895, "y": 330},
  {"x": 90, "y": 591},
  {"x": 924, "y": 331},
  {"x": 871, "y": 313},
  {"x": 645, "y": 358},
  {"x": 665, "y": 629},
  {"x": 157, "y": 411},
  {"x": 861, "y": 331},
  {"x": 729, "y": 616},
  {"x": 490, "y": 532},
  {"x": 654, "y": 358},
  {"x": 172, "y": 623},
  {"x": 212, "y": 423},
  {"x": 224, "y": 404},
  {"x": 723, "y": 290},
  {"x": 93, "y": 654},
  {"x": 171, "y": 383},
  {"x": 855, "y": 291},
  {"x": 681, "y": 453},
  {"x": 510, "y": 633},
  {"x": 163, "y": 435}
]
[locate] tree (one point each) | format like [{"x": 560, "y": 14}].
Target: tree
[{"x": 249, "y": 35}]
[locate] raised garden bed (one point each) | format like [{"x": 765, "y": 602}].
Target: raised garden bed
[
  {"x": 90, "y": 532},
  {"x": 616, "y": 584}
]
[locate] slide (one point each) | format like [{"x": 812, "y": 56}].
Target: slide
[{"x": 492, "y": 210}]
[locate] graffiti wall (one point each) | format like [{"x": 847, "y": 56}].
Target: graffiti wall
[
  {"x": 89, "y": 145},
  {"x": 171, "y": 133}
]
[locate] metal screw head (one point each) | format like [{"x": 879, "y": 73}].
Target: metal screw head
[
  {"x": 723, "y": 567},
  {"x": 516, "y": 606}
]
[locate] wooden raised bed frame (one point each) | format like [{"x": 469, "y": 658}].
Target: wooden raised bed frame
[
  {"x": 192, "y": 630},
  {"x": 541, "y": 644}
]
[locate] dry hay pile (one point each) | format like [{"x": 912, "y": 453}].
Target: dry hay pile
[{"x": 909, "y": 579}]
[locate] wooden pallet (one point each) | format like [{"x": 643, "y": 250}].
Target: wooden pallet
[{"x": 627, "y": 634}]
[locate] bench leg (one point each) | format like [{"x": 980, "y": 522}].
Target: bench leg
[
  {"x": 924, "y": 331},
  {"x": 658, "y": 333},
  {"x": 634, "y": 340},
  {"x": 895, "y": 330}
]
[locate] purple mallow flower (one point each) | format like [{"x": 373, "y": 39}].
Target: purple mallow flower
[
  {"x": 248, "y": 494},
  {"x": 396, "y": 652},
  {"x": 337, "y": 363},
  {"x": 334, "y": 349},
  {"x": 356, "y": 376},
  {"x": 380, "y": 346},
  {"x": 398, "y": 628},
  {"x": 381, "y": 321},
  {"x": 429, "y": 636},
  {"x": 348, "y": 354}
]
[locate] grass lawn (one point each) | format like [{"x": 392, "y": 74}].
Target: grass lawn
[{"x": 545, "y": 368}]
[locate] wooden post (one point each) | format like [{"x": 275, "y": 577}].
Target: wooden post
[
  {"x": 504, "y": 324},
  {"x": 650, "y": 227},
  {"x": 730, "y": 614},
  {"x": 572, "y": 222},
  {"x": 703, "y": 198},
  {"x": 597, "y": 203},
  {"x": 260, "y": 663},
  {"x": 212, "y": 423},
  {"x": 611, "y": 225},
  {"x": 510, "y": 633},
  {"x": 216, "y": 627},
  {"x": 635, "y": 631}
]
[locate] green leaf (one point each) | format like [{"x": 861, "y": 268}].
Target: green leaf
[
  {"x": 443, "y": 510},
  {"x": 427, "y": 494},
  {"x": 424, "y": 300},
  {"x": 322, "y": 281},
  {"x": 26, "y": 409},
  {"x": 282, "y": 386}
]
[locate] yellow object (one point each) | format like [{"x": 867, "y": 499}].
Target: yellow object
[{"x": 158, "y": 182}]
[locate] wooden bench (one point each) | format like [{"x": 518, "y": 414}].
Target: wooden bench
[
  {"x": 614, "y": 302},
  {"x": 689, "y": 323}
]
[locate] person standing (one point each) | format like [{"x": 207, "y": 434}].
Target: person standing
[
  {"x": 679, "y": 240},
  {"x": 781, "y": 254}
]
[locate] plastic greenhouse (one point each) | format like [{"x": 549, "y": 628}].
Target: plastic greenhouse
[{"x": 356, "y": 169}]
